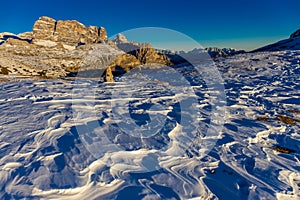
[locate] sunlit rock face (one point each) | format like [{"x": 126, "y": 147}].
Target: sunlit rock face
[
  {"x": 120, "y": 39},
  {"x": 26, "y": 36},
  {"x": 102, "y": 37},
  {"x": 58, "y": 48},
  {"x": 69, "y": 32},
  {"x": 55, "y": 49},
  {"x": 144, "y": 53},
  {"x": 44, "y": 28}
]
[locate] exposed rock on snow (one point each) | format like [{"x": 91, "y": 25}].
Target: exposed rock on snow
[
  {"x": 51, "y": 49},
  {"x": 60, "y": 48},
  {"x": 120, "y": 39},
  {"x": 53, "y": 60},
  {"x": 121, "y": 42},
  {"x": 69, "y": 32},
  {"x": 215, "y": 52},
  {"x": 121, "y": 65},
  {"x": 143, "y": 54}
]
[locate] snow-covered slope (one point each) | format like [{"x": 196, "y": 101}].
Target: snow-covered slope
[
  {"x": 287, "y": 44},
  {"x": 66, "y": 139},
  {"x": 292, "y": 43}
]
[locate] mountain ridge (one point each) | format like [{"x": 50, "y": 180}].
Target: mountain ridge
[
  {"x": 291, "y": 43},
  {"x": 62, "y": 48}
]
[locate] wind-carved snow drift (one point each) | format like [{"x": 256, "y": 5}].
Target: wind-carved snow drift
[
  {"x": 44, "y": 155},
  {"x": 81, "y": 138}
]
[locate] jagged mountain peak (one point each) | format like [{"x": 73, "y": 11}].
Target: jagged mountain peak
[{"x": 120, "y": 39}]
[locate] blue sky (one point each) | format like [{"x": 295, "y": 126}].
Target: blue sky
[{"x": 245, "y": 24}]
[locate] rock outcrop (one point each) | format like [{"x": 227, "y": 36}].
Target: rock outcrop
[
  {"x": 55, "y": 49},
  {"x": 215, "y": 52},
  {"x": 102, "y": 35},
  {"x": 67, "y": 48},
  {"x": 121, "y": 65},
  {"x": 16, "y": 42},
  {"x": 43, "y": 28},
  {"x": 120, "y": 39},
  {"x": 147, "y": 54},
  {"x": 18, "y": 57},
  {"x": 68, "y": 32},
  {"x": 62, "y": 48},
  {"x": 144, "y": 54},
  {"x": 26, "y": 36}
]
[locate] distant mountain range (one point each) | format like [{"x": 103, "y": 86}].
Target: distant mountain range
[
  {"x": 121, "y": 41},
  {"x": 62, "y": 48},
  {"x": 292, "y": 43}
]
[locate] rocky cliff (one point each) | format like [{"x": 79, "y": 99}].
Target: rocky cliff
[
  {"x": 55, "y": 49},
  {"x": 136, "y": 54},
  {"x": 60, "y": 48},
  {"x": 65, "y": 47},
  {"x": 68, "y": 32}
]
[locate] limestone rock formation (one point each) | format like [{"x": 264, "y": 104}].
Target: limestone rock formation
[
  {"x": 102, "y": 35},
  {"x": 66, "y": 47},
  {"x": 5, "y": 35},
  {"x": 55, "y": 49},
  {"x": 120, "y": 39},
  {"x": 108, "y": 75},
  {"x": 44, "y": 28},
  {"x": 121, "y": 42},
  {"x": 16, "y": 42},
  {"x": 25, "y": 35},
  {"x": 72, "y": 32},
  {"x": 18, "y": 57},
  {"x": 68, "y": 32},
  {"x": 121, "y": 65},
  {"x": 145, "y": 54}
]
